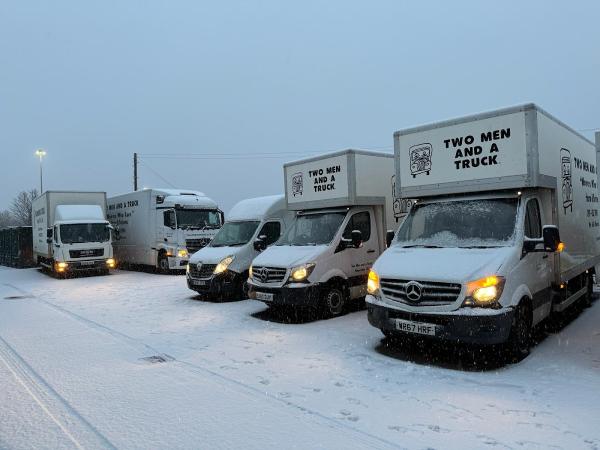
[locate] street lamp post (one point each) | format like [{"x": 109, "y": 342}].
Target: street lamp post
[{"x": 41, "y": 153}]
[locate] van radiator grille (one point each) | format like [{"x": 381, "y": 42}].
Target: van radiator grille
[
  {"x": 202, "y": 270},
  {"x": 269, "y": 274},
  {"x": 431, "y": 293},
  {"x": 193, "y": 245},
  {"x": 86, "y": 253}
]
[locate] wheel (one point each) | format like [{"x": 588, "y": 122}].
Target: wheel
[
  {"x": 519, "y": 340},
  {"x": 334, "y": 301},
  {"x": 163, "y": 263}
]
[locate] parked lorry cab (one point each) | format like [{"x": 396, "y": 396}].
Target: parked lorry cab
[
  {"x": 221, "y": 268},
  {"x": 344, "y": 206},
  {"x": 71, "y": 232},
  {"x": 505, "y": 230},
  {"x": 162, "y": 227}
]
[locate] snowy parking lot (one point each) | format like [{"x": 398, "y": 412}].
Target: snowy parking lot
[{"x": 136, "y": 360}]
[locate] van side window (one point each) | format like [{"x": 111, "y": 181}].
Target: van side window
[
  {"x": 533, "y": 224},
  {"x": 272, "y": 230},
  {"x": 360, "y": 221}
]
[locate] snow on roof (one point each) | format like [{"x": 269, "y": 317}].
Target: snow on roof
[
  {"x": 256, "y": 208},
  {"x": 169, "y": 192},
  {"x": 78, "y": 212}
]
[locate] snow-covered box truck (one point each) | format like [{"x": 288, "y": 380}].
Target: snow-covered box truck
[
  {"x": 344, "y": 207},
  {"x": 71, "y": 232},
  {"x": 505, "y": 230},
  {"x": 221, "y": 268},
  {"x": 162, "y": 227}
]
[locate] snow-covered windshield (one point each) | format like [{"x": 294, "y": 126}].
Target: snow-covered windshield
[
  {"x": 235, "y": 233},
  {"x": 84, "y": 232},
  {"x": 198, "y": 218},
  {"x": 465, "y": 223},
  {"x": 313, "y": 229}
]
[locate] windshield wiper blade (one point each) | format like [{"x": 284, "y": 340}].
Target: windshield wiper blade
[{"x": 421, "y": 246}]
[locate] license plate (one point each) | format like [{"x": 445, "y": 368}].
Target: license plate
[
  {"x": 264, "y": 296},
  {"x": 87, "y": 263},
  {"x": 409, "y": 326},
  {"x": 199, "y": 282}
]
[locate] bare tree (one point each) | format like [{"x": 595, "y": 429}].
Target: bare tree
[
  {"x": 6, "y": 219},
  {"x": 20, "y": 209}
]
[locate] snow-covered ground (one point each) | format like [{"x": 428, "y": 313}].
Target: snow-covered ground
[{"x": 230, "y": 375}]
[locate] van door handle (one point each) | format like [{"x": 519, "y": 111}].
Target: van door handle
[{"x": 371, "y": 251}]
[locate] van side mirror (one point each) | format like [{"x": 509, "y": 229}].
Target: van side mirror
[
  {"x": 260, "y": 243},
  {"x": 356, "y": 238},
  {"x": 49, "y": 234},
  {"x": 551, "y": 238},
  {"x": 389, "y": 238}
]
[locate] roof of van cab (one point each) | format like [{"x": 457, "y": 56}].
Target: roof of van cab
[{"x": 256, "y": 208}]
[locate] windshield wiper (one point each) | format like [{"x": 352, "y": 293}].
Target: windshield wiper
[{"x": 421, "y": 246}]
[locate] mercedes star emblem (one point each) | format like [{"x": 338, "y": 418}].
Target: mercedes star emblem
[{"x": 414, "y": 291}]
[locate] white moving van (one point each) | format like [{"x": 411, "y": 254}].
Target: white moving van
[
  {"x": 71, "y": 233},
  {"x": 221, "y": 268},
  {"x": 344, "y": 207},
  {"x": 504, "y": 232},
  {"x": 162, "y": 227}
]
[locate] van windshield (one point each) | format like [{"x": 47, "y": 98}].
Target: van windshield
[
  {"x": 465, "y": 223},
  {"x": 84, "y": 232},
  {"x": 313, "y": 229},
  {"x": 234, "y": 233},
  {"x": 198, "y": 218}
]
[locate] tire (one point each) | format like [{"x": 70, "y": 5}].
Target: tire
[
  {"x": 163, "y": 263},
  {"x": 519, "y": 340},
  {"x": 334, "y": 301}
]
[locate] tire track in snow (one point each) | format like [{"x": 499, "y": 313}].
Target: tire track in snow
[
  {"x": 78, "y": 430},
  {"x": 144, "y": 348}
]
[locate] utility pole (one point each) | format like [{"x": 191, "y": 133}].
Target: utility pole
[{"x": 135, "y": 177}]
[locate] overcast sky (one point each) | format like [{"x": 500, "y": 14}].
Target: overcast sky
[{"x": 93, "y": 82}]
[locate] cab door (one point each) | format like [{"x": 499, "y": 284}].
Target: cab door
[
  {"x": 356, "y": 262},
  {"x": 539, "y": 266}
]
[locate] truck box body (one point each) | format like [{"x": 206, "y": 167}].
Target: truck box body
[
  {"x": 341, "y": 179},
  {"x": 16, "y": 247},
  {"x": 513, "y": 148},
  {"x": 144, "y": 236}
]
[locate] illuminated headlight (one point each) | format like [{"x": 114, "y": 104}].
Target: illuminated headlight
[
  {"x": 111, "y": 263},
  {"x": 250, "y": 272},
  {"x": 302, "y": 272},
  {"x": 373, "y": 283},
  {"x": 61, "y": 266},
  {"x": 187, "y": 268},
  {"x": 484, "y": 292},
  {"x": 223, "y": 265},
  {"x": 182, "y": 253}
]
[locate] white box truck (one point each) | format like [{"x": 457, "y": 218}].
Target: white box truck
[
  {"x": 162, "y": 227},
  {"x": 344, "y": 207},
  {"x": 71, "y": 232},
  {"x": 505, "y": 230},
  {"x": 221, "y": 268}
]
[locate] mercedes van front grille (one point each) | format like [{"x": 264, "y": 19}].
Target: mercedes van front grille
[
  {"x": 420, "y": 293},
  {"x": 269, "y": 274}
]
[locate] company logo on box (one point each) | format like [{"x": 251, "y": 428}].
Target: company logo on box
[
  {"x": 420, "y": 159},
  {"x": 297, "y": 184}
]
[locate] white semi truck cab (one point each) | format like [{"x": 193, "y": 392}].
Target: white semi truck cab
[
  {"x": 71, "y": 232},
  {"x": 162, "y": 227},
  {"x": 344, "y": 208},
  {"x": 505, "y": 230}
]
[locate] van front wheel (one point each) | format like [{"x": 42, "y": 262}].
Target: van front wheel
[
  {"x": 519, "y": 340},
  {"x": 334, "y": 301}
]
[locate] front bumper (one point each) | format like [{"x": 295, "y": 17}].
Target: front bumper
[
  {"x": 486, "y": 329},
  {"x": 80, "y": 266},
  {"x": 225, "y": 283},
  {"x": 177, "y": 263},
  {"x": 295, "y": 295}
]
